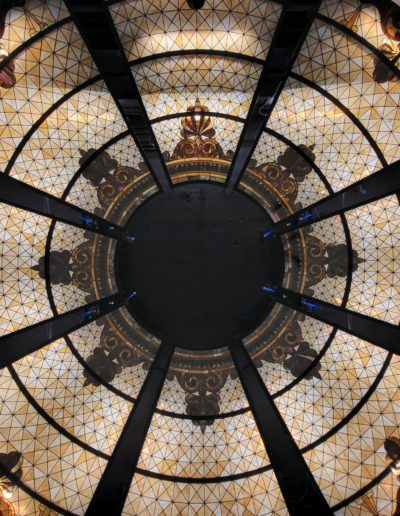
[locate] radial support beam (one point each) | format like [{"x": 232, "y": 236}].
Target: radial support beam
[
  {"x": 294, "y": 23},
  {"x": 23, "y": 342},
  {"x": 95, "y": 24},
  {"x": 380, "y": 333},
  {"x": 376, "y": 186},
  {"x": 17, "y": 193},
  {"x": 298, "y": 486},
  {"x": 113, "y": 488}
]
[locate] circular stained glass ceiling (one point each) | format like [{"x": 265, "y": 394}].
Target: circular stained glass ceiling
[{"x": 65, "y": 406}]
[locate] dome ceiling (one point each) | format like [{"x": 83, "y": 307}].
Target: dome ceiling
[{"x": 65, "y": 405}]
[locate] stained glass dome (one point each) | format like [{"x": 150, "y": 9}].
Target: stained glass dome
[{"x": 200, "y": 261}]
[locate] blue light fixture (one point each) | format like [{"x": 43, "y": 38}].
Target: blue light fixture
[
  {"x": 307, "y": 216},
  {"x": 131, "y": 295},
  {"x": 89, "y": 312},
  {"x": 86, "y": 220},
  {"x": 310, "y": 305},
  {"x": 271, "y": 290}
]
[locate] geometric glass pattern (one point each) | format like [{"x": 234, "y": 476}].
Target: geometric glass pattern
[{"x": 65, "y": 405}]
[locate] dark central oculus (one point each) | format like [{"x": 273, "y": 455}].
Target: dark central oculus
[{"x": 198, "y": 264}]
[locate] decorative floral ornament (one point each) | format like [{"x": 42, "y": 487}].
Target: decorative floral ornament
[
  {"x": 198, "y": 133},
  {"x": 295, "y": 164},
  {"x": 198, "y": 123},
  {"x": 201, "y": 406},
  {"x": 98, "y": 168},
  {"x": 337, "y": 260},
  {"x": 300, "y": 359},
  {"x": 59, "y": 267},
  {"x": 101, "y": 365}
]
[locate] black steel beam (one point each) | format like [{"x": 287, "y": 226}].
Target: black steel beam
[
  {"x": 95, "y": 24},
  {"x": 23, "y": 342},
  {"x": 376, "y": 186},
  {"x": 381, "y": 333},
  {"x": 17, "y": 193},
  {"x": 294, "y": 23},
  {"x": 299, "y": 488},
  {"x": 113, "y": 488}
]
